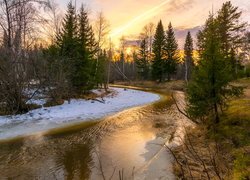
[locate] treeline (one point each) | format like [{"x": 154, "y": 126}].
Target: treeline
[
  {"x": 73, "y": 63},
  {"x": 79, "y": 57},
  {"x": 160, "y": 59}
]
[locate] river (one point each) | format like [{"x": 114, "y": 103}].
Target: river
[{"x": 126, "y": 145}]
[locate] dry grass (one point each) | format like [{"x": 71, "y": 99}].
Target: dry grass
[
  {"x": 229, "y": 145},
  {"x": 172, "y": 85}
]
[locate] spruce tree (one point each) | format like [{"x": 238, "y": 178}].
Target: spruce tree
[
  {"x": 230, "y": 32},
  {"x": 209, "y": 88},
  {"x": 142, "y": 60},
  {"x": 188, "y": 56},
  {"x": 67, "y": 44},
  {"x": 100, "y": 76},
  {"x": 87, "y": 50},
  {"x": 158, "y": 51},
  {"x": 201, "y": 35},
  {"x": 67, "y": 37},
  {"x": 171, "y": 49}
]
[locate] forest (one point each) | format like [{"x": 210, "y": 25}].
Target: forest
[{"x": 67, "y": 56}]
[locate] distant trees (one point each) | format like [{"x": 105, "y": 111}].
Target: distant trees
[
  {"x": 166, "y": 55},
  {"x": 142, "y": 60},
  {"x": 172, "y": 54},
  {"x": 246, "y": 47},
  {"x": 101, "y": 29},
  {"x": 159, "y": 53},
  {"x": 144, "y": 55},
  {"x": 188, "y": 57}
]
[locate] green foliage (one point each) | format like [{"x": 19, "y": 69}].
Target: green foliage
[
  {"x": 207, "y": 93},
  {"x": 158, "y": 51},
  {"x": 87, "y": 49},
  {"x": 229, "y": 32},
  {"x": 73, "y": 55},
  {"x": 170, "y": 48},
  {"x": 247, "y": 71},
  {"x": 67, "y": 38},
  {"x": 233, "y": 131},
  {"x": 188, "y": 56},
  {"x": 142, "y": 61},
  {"x": 165, "y": 50},
  {"x": 229, "y": 27},
  {"x": 101, "y": 75}
]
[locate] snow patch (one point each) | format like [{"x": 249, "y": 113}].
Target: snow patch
[{"x": 78, "y": 110}]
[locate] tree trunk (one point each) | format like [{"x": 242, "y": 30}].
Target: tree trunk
[{"x": 217, "y": 119}]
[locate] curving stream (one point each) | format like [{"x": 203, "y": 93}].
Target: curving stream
[{"x": 126, "y": 145}]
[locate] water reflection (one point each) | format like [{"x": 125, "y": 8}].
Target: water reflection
[
  {"x": 123, "y": 142},
  {"x": 76, "y": 162}
]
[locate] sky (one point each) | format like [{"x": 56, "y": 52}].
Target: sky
[{"x": 127, "y": 17}]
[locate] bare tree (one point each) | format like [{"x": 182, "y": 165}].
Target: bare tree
[
  {"x": 148, "y": 33},
  {"x": 53, "y": 21},
  {"x": 102, "y": 29},
  {"x": 17, "y": 22}
]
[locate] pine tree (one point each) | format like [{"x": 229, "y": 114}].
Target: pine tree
[
  {"x": 67, "y": 44},
  {"x": 100, "y": 77},
  {"x": 230, "y": 28},
  {"x": 201, "y": 35},
  {"x": 158, "y": 51},
  {"x": 87, "y": 51},
  {"x": 172, "y": 57},
  {"x": 188, "y": 56},
  {"x": 67, "y": 37},
  {"x": 142, "y": 60},
  {"x": 77, "y": 48},
  {"x": 209, "y": 88}
]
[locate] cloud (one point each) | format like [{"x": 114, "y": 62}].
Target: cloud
[{"x": 129, "y": 16}]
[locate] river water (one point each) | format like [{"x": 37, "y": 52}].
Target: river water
[{"x": 125, "y": 145}]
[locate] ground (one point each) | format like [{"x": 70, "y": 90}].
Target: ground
[
  {"x": 224, "y": 154},
  {"x": 208, "y": 155}
]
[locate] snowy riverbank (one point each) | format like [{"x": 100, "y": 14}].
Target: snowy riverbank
[{"x": 77, "y": 111}]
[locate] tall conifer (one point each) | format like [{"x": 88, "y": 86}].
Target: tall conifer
[
  {"x": 158, "y": 51},
  {"x": 188, "y": 56},
  {"x": 142, "y": 61},
  {"x": 67, "y": 43},
  {"x": 171, "y": 50},
  {"x": 209, "y": 89}
]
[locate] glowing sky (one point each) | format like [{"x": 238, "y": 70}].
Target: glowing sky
[{"x": 127, "y": 17}]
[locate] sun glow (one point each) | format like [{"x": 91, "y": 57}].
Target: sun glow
[{"x": 118, "y": 31}]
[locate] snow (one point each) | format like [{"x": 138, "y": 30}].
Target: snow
[{"x": 78, "y": 110}]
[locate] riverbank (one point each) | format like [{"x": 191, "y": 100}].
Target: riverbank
[
  {"x": 127, "y": 144},
  {"x": 220, "y": 154},
  {"x": 203, "y": 154},
  {"x": 78, "y": 110}
]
